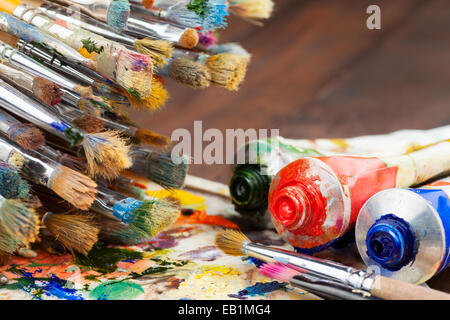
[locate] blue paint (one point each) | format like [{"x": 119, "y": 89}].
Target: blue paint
[
  {"x": 259, "y": 289},
  {"x": 22, "y": 30},
  {"x": 125, "y": 208},
  {"x": 440, "y": 201},
  {"x": 60, "y": 126},
  {"x": 117, "y": 14},
  {"x": 391, "y": 242}
]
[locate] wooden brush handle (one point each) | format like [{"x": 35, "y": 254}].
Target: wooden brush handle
[
  {"x": 391, "y": 289},
  {"x": 208, "y": 186}
]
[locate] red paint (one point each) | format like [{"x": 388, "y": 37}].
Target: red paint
[
  {"x": 298, "y": 204},
  {"x": 201, "y": 217},
  {"x": 140, "y": 185}
]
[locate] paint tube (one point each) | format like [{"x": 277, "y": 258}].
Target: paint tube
[
  {"x": 314, "y": 201},
  {"x": 262, "y": 159},
  {"x": 405, "y": 233}
]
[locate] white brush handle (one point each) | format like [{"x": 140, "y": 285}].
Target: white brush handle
[{"x": 208, "y": 186}]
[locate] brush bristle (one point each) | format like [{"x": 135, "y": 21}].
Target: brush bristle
[
  {"x": 117, "y": 232},
  {"x": 163, "y": 170},
  {"x": 89, "y": 123},
  {"x": 278, "y": 271},
  {"x": 157, "y": 99},
  {"x": 74, "y": 187},
  {"x": 27, "y": 136},
  {"x": 5, "y": 258},
  {"x": 252, "y": 9},
  {"x": 148, "y": 3},
  {"x": 106, "y": 154},
  {"x": 189, "y": 73},
  {"x": 72, "y": 162},
  {"x": 84, "y": 92},
  {"x": 117, "y": 14},
  {"x": 46, "y": 91},
  {"x": 153, "y": 138},
  {"x": 158, "y": 50},
  {"x": 12, "y": 186},
  {"x": 227, "y": 69},
  {"x": 188, "y": 39},
  {"x": 77, "y": 231},
  {"x": 153, "y": 217},
  {"x": 231, "y": 242},
  {"x": 230, "y": 47},
  {"x": 19, "y": 225}
]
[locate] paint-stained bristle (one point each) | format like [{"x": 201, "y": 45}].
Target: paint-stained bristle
[
  {"x": 227, "y": 69},
  {"x": 153, "y": 217},
  {"x": 27, "y": 136},
  {"x": 162, "y": 169},
  {"x": 189, "y": 73},
  {"x": 252, "y": 9},
  {"x": 19, "y": 225},
  {"x": 133, "y": 71},
  {"x": 72, "y": 162},
  {"x": 4, "y": 258},
  {"x": 117, "y": 232},
  {"x": 153, "y": 138},
  {"x": 117, "y": 14},
  {"x": 156, "y": 100},
  {"x": 46, "y": 91},
  {"x": 85, "y": 92},
  {"x": 188, "y": 39},
  {"x": 77, "y": 231},
  {"x": 148, "y": 3},
  {"x": 12, "y": 186},
  {"x": 89, "y": 123},
  {"x": 231, "y": 242},
  {"x": 74, "y": 187},
  {"x": 106, "y": 154},
  {"x": 158, "y": 50},
  {"x": 278, "y": 271}
]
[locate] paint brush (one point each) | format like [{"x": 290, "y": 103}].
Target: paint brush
[
  {"x": 204, "y": 14},
  {"x": 229, "y": 47},
  {"x": 76, "y": 231},
  {"x": 96, "y": 124},
  {"x": 127, "y": 68},
  {"x": 235, "y": 243},
  {"x": 19, "y": 224},
  {"x": 113, "y": 12},
  {"x": 28, "y": 65},
  {"x": 25, "y": 135},
  {"x": 114, "y": 231},
  {"x": 24, "y": 31},
  {"x": 74, "y": 187},
  {"x": 42, "y": 89},
  {"x": 321, "y": 287},
  {"x": 251, "y": 10},
  {"x": 12, "y": 186},
  {"x": 165, "y": 169},
  {"x": 158, "y": 50},
  {"x": 145, "y": 218},
  {"x": 106, "y": 153},
  {"x": 226, "y": 70}
]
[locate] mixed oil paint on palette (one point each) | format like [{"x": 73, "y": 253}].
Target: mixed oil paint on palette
[{"x": 180, "y": 263}]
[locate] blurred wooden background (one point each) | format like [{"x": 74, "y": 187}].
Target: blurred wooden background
[{"x": 317, "y": 71}]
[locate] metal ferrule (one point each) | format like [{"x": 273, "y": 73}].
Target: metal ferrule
[
  {"x": 71, "y": 98},
  {"x": 29, "y": 109},
  {"x": 357, "y": 279},
  {"x": 105, "y": 200},
  {"x": 85, "y": 22},
  {"x": 35, "y": 166},
  {"x": 30, "y": 15},
  {"x": 6, "y": 122},
  {"x": 140, "y": 158},
  {"x": 149, "y": 28},
  {"x": 44, "y": 57},
  {"x": 27, "y": 64}
]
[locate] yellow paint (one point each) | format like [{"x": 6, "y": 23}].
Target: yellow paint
[
  {"x": 83, "y": 51},
  {"x": 8, "y": 6},
  {"x": 156, "y": 253},
  {"x": 217, "y": 271},
  {"x": 185, "y": 198},
  {"x": 342, "y": 143}
]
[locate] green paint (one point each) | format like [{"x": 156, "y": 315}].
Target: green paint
[
  {"x": 74, "y": 135},
  {"x": 163, "y": 262},
  {"x": 91, "y": 277},
  {"x": 91, "y": 46},
  {"x": 134, "y": 93},
  {"x": 37, "y": 264},
  {"x": 200, "y": 7},
  {"x": 148, "y": 271},
  {"x": 122, "y": 290},
  {"x": 104, "y": 260}
]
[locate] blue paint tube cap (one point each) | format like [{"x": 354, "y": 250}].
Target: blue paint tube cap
[
  {"x": 391, "y": 242},
  {"x": 124, "y": 209}
]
